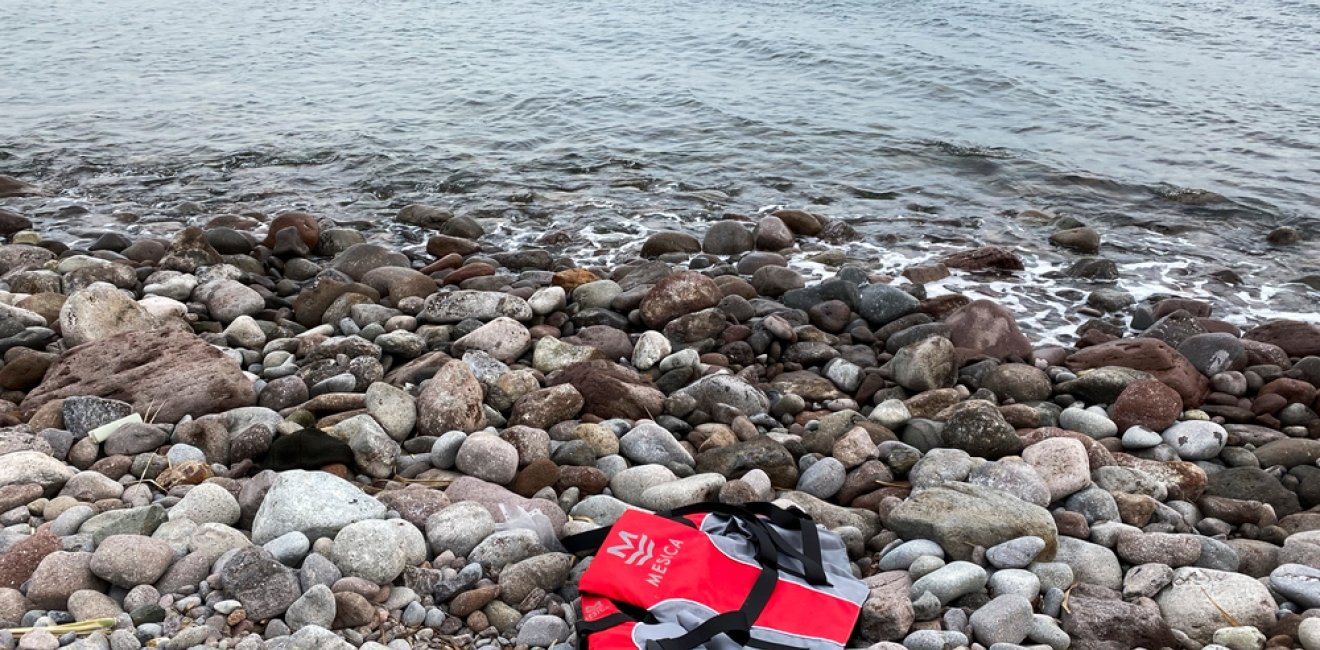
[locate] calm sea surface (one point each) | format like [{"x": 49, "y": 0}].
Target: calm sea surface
[{"x": 1184, "y": 130}]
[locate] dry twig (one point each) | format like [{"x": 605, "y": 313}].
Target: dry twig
[
  {"x": 80, "y": 627},
  {"x": 1222, "y": 612}
]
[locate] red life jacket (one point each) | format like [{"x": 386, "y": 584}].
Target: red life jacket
[{"x": 715, "y": 576}]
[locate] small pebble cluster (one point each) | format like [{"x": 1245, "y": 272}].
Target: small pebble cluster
[{"x": 1154, "y": 485}]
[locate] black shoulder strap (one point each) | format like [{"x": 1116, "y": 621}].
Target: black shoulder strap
[
  {"x": 810, "y": 557},
  {"x": 586, "y": 542},
  {"x": 737, "y": 624},
  {"x": 627, "y": 613},
  {"x": 590, "y": 541}
]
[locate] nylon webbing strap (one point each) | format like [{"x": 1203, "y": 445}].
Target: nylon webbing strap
[
  {"x": 810, "y": 557},
  {"x": 737, "y": 624},
  {"x": 589, "y": 541},
  {"x": 762, "y": 644},
  {"x": 617, "y": 618}
]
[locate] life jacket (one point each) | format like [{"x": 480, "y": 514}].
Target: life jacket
[{"x": 716, "y": 577}]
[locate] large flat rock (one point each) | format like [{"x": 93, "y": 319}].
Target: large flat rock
[
  {"x": 176, "y": 372},
  {"x": 960, "y": 516}
]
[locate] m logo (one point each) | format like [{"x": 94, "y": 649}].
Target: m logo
[{"x": 641, "y": 546}]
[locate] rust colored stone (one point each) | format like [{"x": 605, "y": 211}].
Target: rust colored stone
[
  {"x": 18, "y": 563},
  {"x": 1149, "y": 355}
]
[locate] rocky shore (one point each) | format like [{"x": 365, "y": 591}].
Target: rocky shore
[{"x": 271, "y": 433}]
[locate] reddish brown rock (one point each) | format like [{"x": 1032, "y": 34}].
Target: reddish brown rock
[
  {"x": 414, "y": 503},
  {"x": 190, "y": 250},
  {"x": 472, "y": 600},
  {"x": 732, "y": 285},
  {"x": 415, "y": 371},
  {"x": 469, "y": 271},
  {"x": 1135, "y": 509},
  {"x": 1183, "y": 480},
  {"x": 1148, "y": 403},
  {"x": 1071, "y": 524},
  {"x": 547, "y": 407},
  {"x": 21, "y": 560},
  {"x": 1020, "y": 416},
  {"x": 311, "y": 304},
  {"x": 189, "y": 472},
  {"x": 1214, "y": 325},
  {"x": 1237, "y": 511},
  {"x": 450, "y": 401},
  {"x": 614, "y": 343},
  {"x": 1094, "y": 337},
  {"x": 442, "y": 245},
  {"x": 1268, "y": 403},
  {"x": 450, "y": 261},
  {"x": 173, "y": 371},
  {"x": 590, "y": 480},
  {"x": 10, "y": 187},
  {"x": 1265, "y": 354},
  {"x": 538, "y": 475},
  {"x": 399, "y": 283},
  {"x": 352, "y": 610},
  {"x": 668, "y": 241},
  {"x": 571, "y": 279},
  {"x": 1296, "y": 338},
  {"x": 940, "y": 307},
  {"x": 1103, "y": 624},
  {"x": 1292, "y": 390},
  {"x": 986, "y": 258},
  {"x": 24, "y": 368},
  {"x": 1196, "y": 308},
  {"x": 681, "y": 293},
  {"x": 1148, "y": 355},
  {"x": 18, "y": 494},
  {"x": 926, "y": 273},
  {"x": 12, "y": 222},
  {"x": 610, "y": 390},
  {"x": 985, "y": 327},
  {"x": 309, "y": 231},
  {"x": 58, "y": 576},
  {"x": 927, "y": 404},
  {"x": 799, "y": 221}
]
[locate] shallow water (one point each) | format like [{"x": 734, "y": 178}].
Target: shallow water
[{"x": 1185, "y": 131}]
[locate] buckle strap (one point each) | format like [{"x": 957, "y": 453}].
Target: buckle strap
[
  {"x": 588, "y": 541},
  {"x": 813, "y": 565},
  {"x": 732, "y": 624},
  {"x": 606, "y": 622},
  {"x": 737, "y": 624}
]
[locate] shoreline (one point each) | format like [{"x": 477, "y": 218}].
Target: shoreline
[
  {"x": 1265, "y": 275},
  {"x": 708, "y": 369}
]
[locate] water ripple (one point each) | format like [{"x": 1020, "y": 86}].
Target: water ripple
[{"x": 919, "y": 121}]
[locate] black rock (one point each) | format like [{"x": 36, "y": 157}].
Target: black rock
[
  {"x": 837, "y": 289},
  {"x": 110, "y": 241},
  {"x": 1094, "y": 268},
  {"x": 1253, "y": 484},
  {"x": 881, "y": 303},
  {"x": 1174, "y": 328},
  {"x": 306, "y": 449}
]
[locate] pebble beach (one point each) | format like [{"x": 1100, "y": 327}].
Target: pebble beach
[{"x": 1153, "y": 483}]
